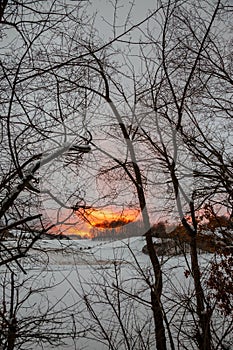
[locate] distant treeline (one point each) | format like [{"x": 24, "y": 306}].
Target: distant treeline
[{"x": 131, "y": 229}]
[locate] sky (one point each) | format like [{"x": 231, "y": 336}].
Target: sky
[
  {"x": 90, "y": 187},
  {"x": 127, "y": 15},
  {"x": 105, "y": 14}
]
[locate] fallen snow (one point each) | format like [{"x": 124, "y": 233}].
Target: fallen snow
[{"x": 77, "y": 268}]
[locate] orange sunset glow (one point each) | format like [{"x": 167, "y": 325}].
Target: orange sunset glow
[{"x": 83, "y": 221}]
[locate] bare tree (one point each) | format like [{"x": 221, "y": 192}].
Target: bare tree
[
  {"x": 167, "y": 115},
  {"x": 32, "y": 107},
  {"x": 32, "y": 35},
  {"x": 180, "y": 98},
  {"x": 30, "y": 315},
  {"x": 62, "y": 95}
]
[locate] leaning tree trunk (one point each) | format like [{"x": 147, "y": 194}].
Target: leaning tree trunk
[
  {"x": 203, "y": 337},
  {"x": 156, "y": 289}
]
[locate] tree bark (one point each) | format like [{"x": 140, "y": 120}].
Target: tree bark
[{"x": 203, "y": 337}]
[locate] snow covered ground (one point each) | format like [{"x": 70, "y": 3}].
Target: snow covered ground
[{"x": 100, "y": 289}]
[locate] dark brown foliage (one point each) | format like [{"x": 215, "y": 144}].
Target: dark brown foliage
[{"x": 220, "y": 282}]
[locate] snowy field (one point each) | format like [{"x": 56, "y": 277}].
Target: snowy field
[{"x": 99, "y": 291}]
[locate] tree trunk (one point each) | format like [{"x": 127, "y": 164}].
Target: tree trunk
[
  {"x": 156, "y": 295},
  {"x": 156, "y": 291},
  {"x": 11, "y": 338},
  {"x": 203, "y": 335}
]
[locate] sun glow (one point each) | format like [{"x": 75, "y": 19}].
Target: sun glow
[
  {"x": 83, "y": 222},
  {"x": 108, "y": 217}
]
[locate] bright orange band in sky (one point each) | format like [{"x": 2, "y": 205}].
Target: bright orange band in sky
[{"x": 81, "y": 222}]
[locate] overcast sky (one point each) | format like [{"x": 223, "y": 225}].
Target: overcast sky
[{"x": 105, "y": 13}]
